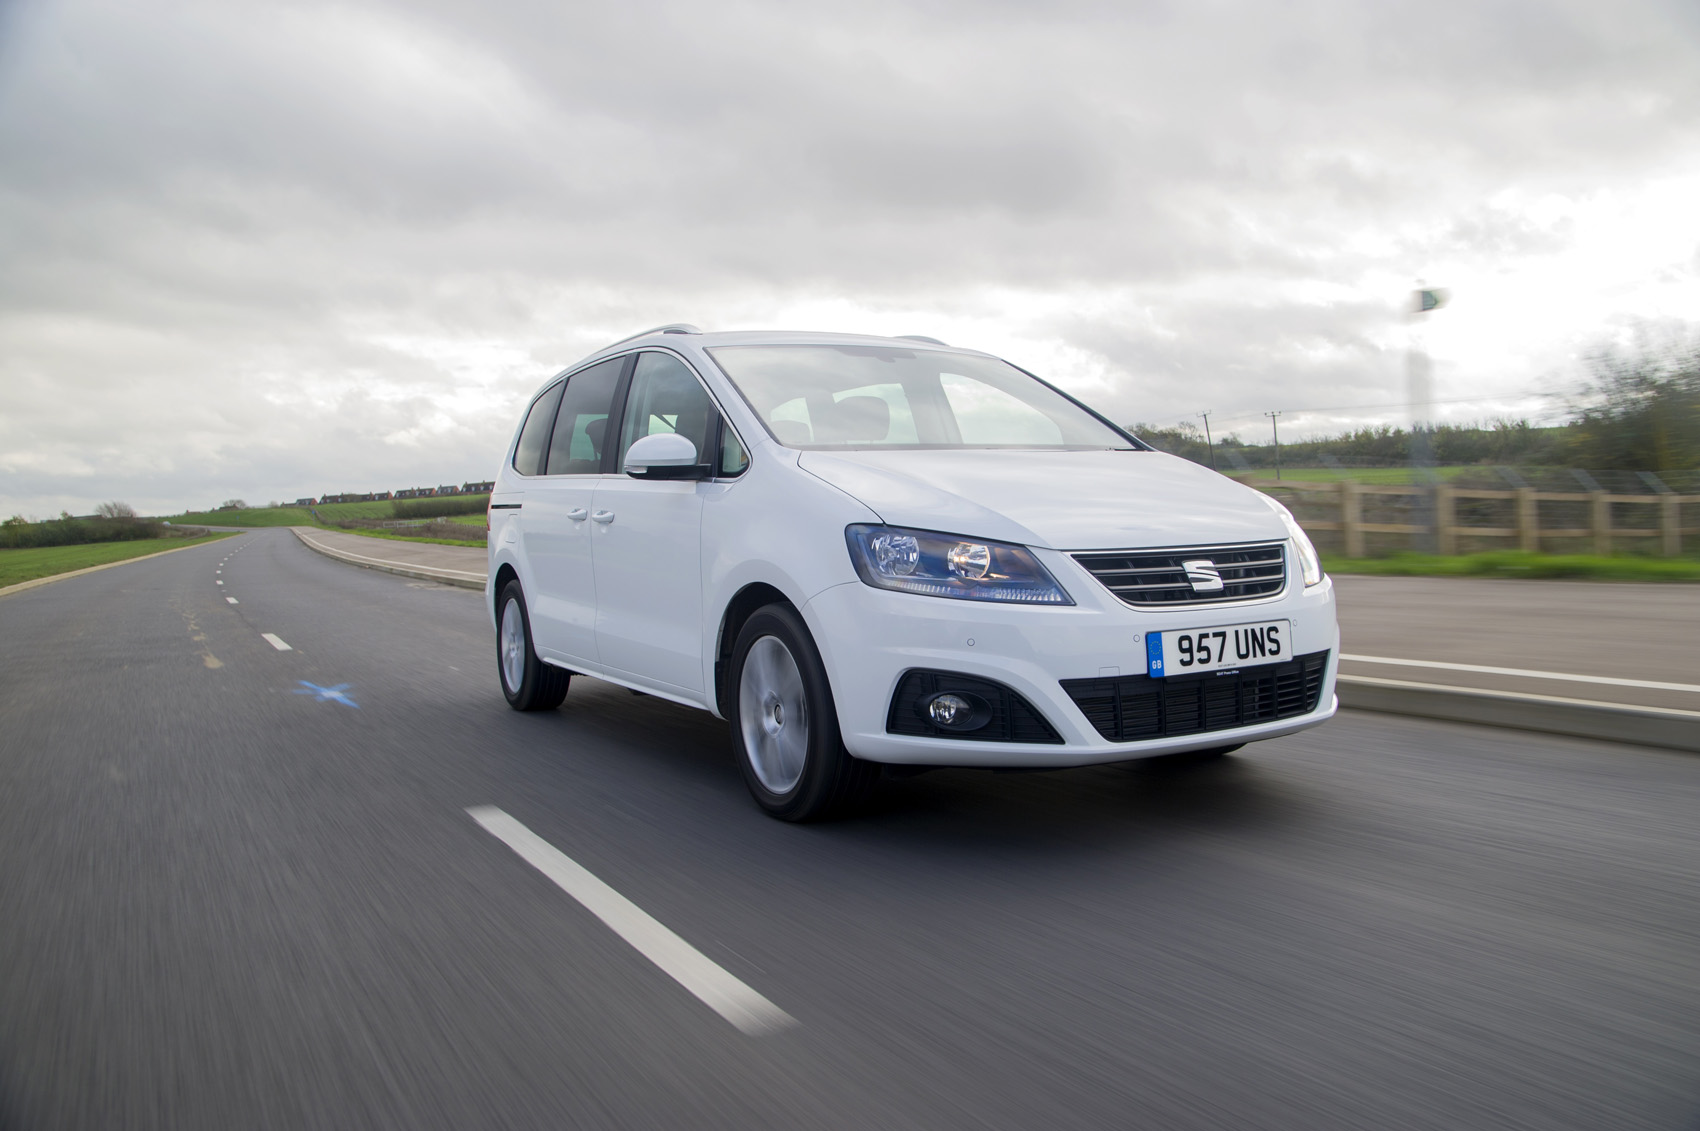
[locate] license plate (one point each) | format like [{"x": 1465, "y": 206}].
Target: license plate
[{"x": 1214, "y": 649}]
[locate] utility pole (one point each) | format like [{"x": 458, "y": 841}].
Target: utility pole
[
  {"x": 1275, "y": 423},
  {"x": 1208, "y": 441},
  {"x": 1419, "y": 384}
]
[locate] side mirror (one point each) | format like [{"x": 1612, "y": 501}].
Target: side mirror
[{"x": 663, "y": 455}]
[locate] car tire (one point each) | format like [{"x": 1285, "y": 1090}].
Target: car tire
[
  {"x": 528, "y": 683},
  {"x": 796, "y": 767}
]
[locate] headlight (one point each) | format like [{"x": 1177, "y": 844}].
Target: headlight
[
  {"x": 943, "y": 565},
  {"x": 1309, "y": 564}
]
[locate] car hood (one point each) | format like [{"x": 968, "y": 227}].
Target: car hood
[{"x": 1087, "y": 500}]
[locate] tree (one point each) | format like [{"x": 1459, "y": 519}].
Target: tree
[
  {"x": 233, "y": 505},
  {"x": 1643, "y": 407},
  {"x": 116, "y": 510},
  {"x": 1185, "y": 439}
]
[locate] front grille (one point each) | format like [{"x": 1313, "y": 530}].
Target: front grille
[
  {"x": 1157, "y": 578},
  {"x": 1132, "y": 707}
]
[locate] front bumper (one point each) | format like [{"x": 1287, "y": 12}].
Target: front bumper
[{"x": 869, "y": 637}]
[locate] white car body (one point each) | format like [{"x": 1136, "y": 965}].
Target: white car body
[{"x": 638, "y": 589}]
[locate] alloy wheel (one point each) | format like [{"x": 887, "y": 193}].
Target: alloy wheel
[{"x": 773, "y": 714}]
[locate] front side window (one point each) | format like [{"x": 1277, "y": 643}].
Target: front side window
[
  {"x": 734, "y": 460},
  {"x": 582, "y": 425},
  {"x": 667, "y": 397},
  {"x": 844, "y": 396},
  {"x": 528, "y": 453}
]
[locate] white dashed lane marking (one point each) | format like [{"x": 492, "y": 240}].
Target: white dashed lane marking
[
  {"x": 272, "y": 639},
  {"x": 233, "y": 600},
  {"x": 752, "y": 1014}
]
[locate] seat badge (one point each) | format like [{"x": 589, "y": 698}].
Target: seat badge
[{"x": 1204, "y": 575}]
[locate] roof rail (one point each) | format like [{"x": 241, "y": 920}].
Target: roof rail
[
  {"x": 920, "y": 338},
  {"x": 670, "y": 328}
]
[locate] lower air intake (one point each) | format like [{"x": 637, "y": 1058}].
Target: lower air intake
[{"x": 1132, "y": 707}]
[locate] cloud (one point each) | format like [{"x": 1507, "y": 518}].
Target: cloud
[{"x": 271, "y": 248}]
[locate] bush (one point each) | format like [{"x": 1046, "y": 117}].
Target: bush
[
  {"x": 439, "y": 508},
  {"x": 16, "y": 532}
]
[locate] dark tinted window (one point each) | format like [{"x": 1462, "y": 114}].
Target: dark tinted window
[
  {"x": 667, "y": 397},
  {"x": 528, "y": 455},
  {"x": 581, "y": 427}
]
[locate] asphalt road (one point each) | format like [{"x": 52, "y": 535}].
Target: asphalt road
[
  {"x": 1623, "y": 631},
  {"x": 227, "y": 904}
]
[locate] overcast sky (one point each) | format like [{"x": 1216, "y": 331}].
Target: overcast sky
[{"x": 270, "y": 250}]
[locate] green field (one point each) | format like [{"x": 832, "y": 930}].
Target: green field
[
  {"x": 1388, "y": 476},
  {"x": 1517, "y": 563},
  {"x": 45, "y": 561},
  {"x": 278, "y": 516},
  {"x": 298, "y": 516}
]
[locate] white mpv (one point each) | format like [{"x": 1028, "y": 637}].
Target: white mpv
[{"x": 886, "y": 552}]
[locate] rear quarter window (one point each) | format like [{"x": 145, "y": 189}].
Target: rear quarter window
[{"x": 539, "y": 422}]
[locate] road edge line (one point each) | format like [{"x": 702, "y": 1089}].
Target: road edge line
[
  {"x": 1665, "y": 727},
  {"x": 423, "y": 573},
  {"x": 37, "y": 582}
]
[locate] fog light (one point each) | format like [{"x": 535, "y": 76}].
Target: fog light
[{"x": 949, "y": 710}]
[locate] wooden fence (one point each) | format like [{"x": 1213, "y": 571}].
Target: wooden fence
[{"x": 1459, "y": 520}]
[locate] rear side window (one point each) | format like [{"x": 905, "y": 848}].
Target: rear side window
[
  {"x": 528, "y": 454},
  {"x": 581, "y": 428},
  {"x": 667, "y": 397}
]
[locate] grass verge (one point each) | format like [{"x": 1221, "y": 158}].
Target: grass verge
[
  {"x": 389, "y": 536},
  {"x": 1517, "y": 563},
  {"x": 45, "y": 561}
]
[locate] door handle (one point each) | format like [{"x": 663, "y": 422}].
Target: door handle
[
  {"x": 577, "y": 514},
  {"x": 604, "y": 517}
]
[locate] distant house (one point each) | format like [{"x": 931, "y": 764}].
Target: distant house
[
  {"x": 451, "y": 489},
  {"x": 483, "y": 488},
  {"x": 306, "y": 502}
]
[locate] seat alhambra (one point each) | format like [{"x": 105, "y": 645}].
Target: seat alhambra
[{"x": 874, "y": 552}]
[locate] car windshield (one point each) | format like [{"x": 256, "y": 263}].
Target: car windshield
[{"x": 849, "y": 397}]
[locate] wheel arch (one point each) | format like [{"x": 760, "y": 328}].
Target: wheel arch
[
  {"x": 744, "y": 602},
  {"x": 504, "y": 574}
]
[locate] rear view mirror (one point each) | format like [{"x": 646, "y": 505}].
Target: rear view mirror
[{"x": 663, "y": 455}]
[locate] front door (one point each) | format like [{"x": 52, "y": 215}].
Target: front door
[{"x": 648, "y": 536}]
